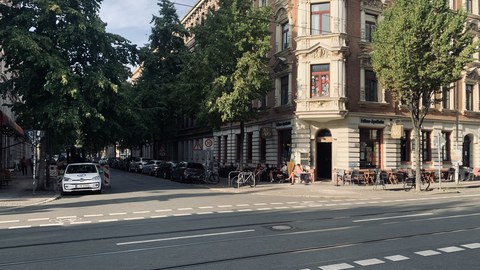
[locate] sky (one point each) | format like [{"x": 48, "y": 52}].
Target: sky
[{"x": 131, "y": 18}]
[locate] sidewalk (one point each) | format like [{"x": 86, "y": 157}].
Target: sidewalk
[{"x": 19, "y": 193}]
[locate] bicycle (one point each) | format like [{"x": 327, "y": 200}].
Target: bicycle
[
  {"x": 243, "y": 179},
  {"x": 411, "y": 183},
  {"x": 210, "y": 177}
]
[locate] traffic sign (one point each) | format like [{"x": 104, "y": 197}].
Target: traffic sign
[
  {"x": 197, "y": 145},
  {"x": 207, "y": 143}
]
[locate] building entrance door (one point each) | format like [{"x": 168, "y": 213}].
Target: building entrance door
[
  {"x": 323, "y": 165},
  {"x": 466, "y": 151}
]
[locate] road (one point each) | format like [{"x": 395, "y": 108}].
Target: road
[{"x": 144, "y": 222}]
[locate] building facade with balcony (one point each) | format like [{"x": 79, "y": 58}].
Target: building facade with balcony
[{"x": 327, "y": 109}]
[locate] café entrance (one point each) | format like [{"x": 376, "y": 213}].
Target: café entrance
[{"x": 324, "y": 155}]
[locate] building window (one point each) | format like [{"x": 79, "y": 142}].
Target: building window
[
  {"x": 238, "y": 148},
  {"x": 249, "y": 147},
  {"x": 446, "y": 97},
  {"x": 445, "y": 151},
  {"x": 320, "y": 18},
  {"x": 469, "y": 97},
  {"x": 371, "y": 86},
  {"x": 370, "y": 23},
  {"x": 225, "y": 148},
  {"x": 284, "y": 90},
  {"x": 320, "y": 84},
  {"x": 370, "y": 148},
  {"x": 285, "y": 35},
  {"x": 426, "y": 145},
  {"x": 406, "y": 146},
  {"x": 468, "y": 6}
]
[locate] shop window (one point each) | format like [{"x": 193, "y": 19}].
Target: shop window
[
  {"x": 284, "y": 90},
  {"x": 320, "y": 84},
  {"x": 406, "y": 146},
  {"x": 371, "y": 86},
  {"x": 469, "y": 97},
  {"x": 426, "y": 145},
  {"x": 445, "y": 151},
  {"x": 320, "y": 19},
  {"x": 370, "y": 140}
]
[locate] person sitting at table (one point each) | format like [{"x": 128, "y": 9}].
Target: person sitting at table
[{"x": 295, "y": 173}]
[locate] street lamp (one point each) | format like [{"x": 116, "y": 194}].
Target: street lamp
[{"x": 35, "y": 137}]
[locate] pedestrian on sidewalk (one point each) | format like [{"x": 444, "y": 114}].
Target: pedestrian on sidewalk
[{"x": 23, "y": 165}]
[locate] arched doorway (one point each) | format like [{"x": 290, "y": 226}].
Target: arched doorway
[
  {"x": 323, "y": 165},
  {"x": 466, "y": 151}
]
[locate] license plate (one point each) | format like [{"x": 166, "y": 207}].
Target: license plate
[{"x": 83, "y": 186}]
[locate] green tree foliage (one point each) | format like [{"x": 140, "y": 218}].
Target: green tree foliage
[
  {"x": 157, "y": 87},
  {"x": 420, "y": 46},
  {"x": 67, "y": 70},
  {"x": 229, "y": 68}
]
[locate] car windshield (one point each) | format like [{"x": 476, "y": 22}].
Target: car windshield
[{"x": 86, "y": 168}]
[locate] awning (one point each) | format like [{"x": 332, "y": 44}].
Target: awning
[{"x": 10, "y": 126}]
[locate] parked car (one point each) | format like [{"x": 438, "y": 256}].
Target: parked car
[
  {"x": 152, "y": 165},
  {"x": 188, "y": 172},
  {"x": 82, "y": 177},
  {"x": 165, "y": 169},
  {"x": 137, "y": 164}
]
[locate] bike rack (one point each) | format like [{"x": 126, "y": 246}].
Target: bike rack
[{"x": 230, "y": 176}]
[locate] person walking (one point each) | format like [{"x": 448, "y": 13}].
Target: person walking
[{"x": 23, "y": 165}]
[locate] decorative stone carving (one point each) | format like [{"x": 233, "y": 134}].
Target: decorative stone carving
[
  {"x": 373, "y": 3},
  {"x": 321, "y": 53}
]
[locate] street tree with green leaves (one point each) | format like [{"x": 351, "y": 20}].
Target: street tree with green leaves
[
  {"x": 67, "y": 71},
  {"x": 162, "y": 63},
  {"x": 420, "y": 46},
  {"x": 229, "y": 68}
]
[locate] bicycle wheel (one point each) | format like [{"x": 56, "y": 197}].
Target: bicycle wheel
[
  {"x": 213, "y": 179},
  {"x": 235, "y": 182},
  {"x": 408, "y": 184}
]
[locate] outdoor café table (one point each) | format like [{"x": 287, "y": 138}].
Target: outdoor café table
[{"x": 369, "y": 176}]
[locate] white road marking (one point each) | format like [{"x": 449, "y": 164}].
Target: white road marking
[
  {"x": 369, "y": 262},
  {"x": 80, "y": 222},
  {"x": 93, "y": 215},
  {"x": 339, "y": 266},
  {"x": 396, "y": 258},
  {"x": 360, "y": 203},
  {"x": 117, "y": 214},
  {"x": 455, "y": 216},
  {"x": 134, "y": 218},
  {"x": 183, "y": 237},
  {"x": 276, "y": 203},
  {"x": 331, "y": 204},
  {"x": 472, "y": 246},
  {"x": 19, "y": 227},
  {"x": 141, "y": 212},
  {"x": 293, "y": 202},
  {"x": 265, "y": 208},
  {"x": 51, "y": 224},
  {"x": 244, "y": 210},
  {"x": 9, "y": 221},
  {"x": 205, "y": 207},
  {"x": 451, "y": 249},
  {"x": 161, "y": 216},
  {"x": 225, "y": 211},
  {"x": 243, "y": 204},
  {"x": 393, "y": 217},
  {"x": 182, "y": 215},
  {"x": 38, "y": 219},
  {"x": 299, "y": 206},
  {"x": 204, "y": 213},
  {"x": 281, "y": 207},
  {"x": 224, "y": 206},
  {"x": 184, "y": 209},
  {"x": 427, "y": 253},
  {"x": 107, "y": 220},
  {"x": 163, "y": 210},
  {"x": 66, "y": 217},
  {"x": 259, "y": 204}
]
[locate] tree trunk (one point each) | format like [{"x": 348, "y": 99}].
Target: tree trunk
[{"x": 418, "y": 159}]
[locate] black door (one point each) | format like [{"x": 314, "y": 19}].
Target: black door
[
  {"x": 466, "y": 151},
  {"x": 324, "y": 160}
]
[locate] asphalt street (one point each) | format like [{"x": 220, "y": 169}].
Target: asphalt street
[{"x": 144, "y": 222}]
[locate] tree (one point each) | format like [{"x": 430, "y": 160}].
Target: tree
[
  {"x": 162, "y": 59},
  {"x": 420, "y": 46},
  {"x": 67, "y": 70},
  {"x": 229, "y": 60}
]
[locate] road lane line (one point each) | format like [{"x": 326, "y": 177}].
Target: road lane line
[
  {"x": 451, "y": 249},
  {"x": 225, "y": 211},
  {"x": 38, "y": 219},
  {"x": 472, "y": 246},
  {"x": 51, "y": 224},
  {"x": 93, "y": 215},
  {"x": 393, "y": 217},
  {"x": 184, "y": 237},
  {"x": 396, "y": 258},
  {"x": 141, "y": 212},
  {"x": 134, "y": 218},
  {"x": 182, "y": 215},
  {"x": 242, "y": 205},
  {"x": 259, "y": 204},
  {"x": 276, "y": 203},
  {"x": 205, "y": 207},
  {"x": 161, "y": 216},
  {"x": 66, "y": 217},
  {"x": 264, "y": 208},
  {"x": 107, "y": 220},
  {"x": 369, "y": 262},
  {"x": 19, "y": 227},
  {"x": 204, "y": 213},
  {"x": 163, "y": 210},
  {"x": 9, "y": 221},
  {"x": 117, "y": 214},
  {"x": 244, "y": 210},
  {"x": 184, "y": 209},
  {"x": 224, "y": 206},
  {"x": 339, "y": 266},
  {"x": 455, "y": 216},
  {"x": 80, "y": 222},
  {"x": 426, "y": 253}
]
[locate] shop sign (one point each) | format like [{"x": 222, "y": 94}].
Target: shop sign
[
  {"x": 371, "y": 121},
  {"x": 397, "y": 131}
]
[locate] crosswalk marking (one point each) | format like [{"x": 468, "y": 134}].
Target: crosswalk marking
[
  {"x": 451, "y": 249},
  {"x": 396, "y": 258},
  {"x": 427, "y": 253},
  {"x": 339, "y": 266},
  {"x": 369, "y": 262}
]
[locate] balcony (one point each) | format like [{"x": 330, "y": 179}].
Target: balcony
[{"x": 321, "y": 109}]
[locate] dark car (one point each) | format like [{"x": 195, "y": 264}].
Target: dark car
[
  {"x": 188, "y": 172},
  {"x": 165, "y": 169}
]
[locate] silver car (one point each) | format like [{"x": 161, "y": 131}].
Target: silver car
[{"x": 82, "y": 177}]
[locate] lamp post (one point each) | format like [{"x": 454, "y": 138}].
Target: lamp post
[{"x": 35, "y": 137}]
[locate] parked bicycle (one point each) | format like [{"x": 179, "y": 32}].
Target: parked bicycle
[
  {"x": 210, "y": 177},
  {"x": 411, "y": 183},
  {"x": 243, "y": 179}
]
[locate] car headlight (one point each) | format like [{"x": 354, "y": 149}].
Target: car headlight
[{"x": 96, "y": 178}]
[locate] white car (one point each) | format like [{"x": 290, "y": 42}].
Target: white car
[
  {"x": 82, "y": 177},
  {"x": 150, "y": 167}
]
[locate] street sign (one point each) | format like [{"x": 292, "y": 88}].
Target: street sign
[
  {"x": 207, "y": 143},
  {"x": 197, "y": 145}
]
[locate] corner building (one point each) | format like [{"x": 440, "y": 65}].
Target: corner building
[{"x": 327, "y": 109}]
